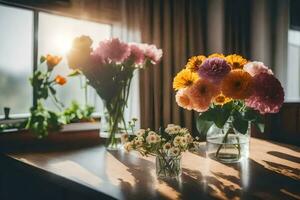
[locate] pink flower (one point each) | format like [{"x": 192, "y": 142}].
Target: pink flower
[
  {"x": 153, "y": 53},
  {"x": 268, "y": 94},
  {"x": 214, "y": 69},
  {"x": 201, "y": 94},
  {"x": 137, "y": 53},
  {"x": 112, "y": 50},
  {"x": 183, "y": 100},
  {"x": 255, "y": 68}
]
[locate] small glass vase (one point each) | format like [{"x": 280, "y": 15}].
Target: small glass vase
[
  {"x": 168, "y": 166},
  {"x": 226, "y": 144}
]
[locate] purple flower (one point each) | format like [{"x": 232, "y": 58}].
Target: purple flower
[
  {"x": 112, "y": 50},
  {"x": 214, "y": 69}
]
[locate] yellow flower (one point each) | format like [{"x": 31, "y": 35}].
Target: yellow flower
[
  {"x": 221, "y": 99},
  {"x": 236, "y": 61},
  {"x": 216, "y": 55},
  {"x": 237, "y": 84},
  {"x": 184, "y": 78},
  {"x": 195, "y": 62}
]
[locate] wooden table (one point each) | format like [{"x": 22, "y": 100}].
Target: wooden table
[{"x": 271, "y": 172}]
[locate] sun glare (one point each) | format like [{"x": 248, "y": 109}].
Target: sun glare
[{"x": 62, "y": 43}]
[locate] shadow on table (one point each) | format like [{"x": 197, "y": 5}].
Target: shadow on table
[
  {"x": 284, "y": 156},
  {"x": 191, "y": 185},
  {"x": 265, "y": 183}
]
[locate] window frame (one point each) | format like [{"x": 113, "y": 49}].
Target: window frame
[{"x": 36, "y": 12}]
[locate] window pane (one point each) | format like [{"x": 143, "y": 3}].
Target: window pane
[
  {"x": 56, "y": 34},
  {"x": 16, "y": 39}
]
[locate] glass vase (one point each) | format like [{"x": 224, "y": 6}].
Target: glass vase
[
  {"x": 168, "y": 166},
  {"x": 226, "y": 144}
]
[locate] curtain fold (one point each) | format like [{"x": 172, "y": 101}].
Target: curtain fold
[
  {"x": 177, "y": 28},
  {"x": 256, "y": 29}
]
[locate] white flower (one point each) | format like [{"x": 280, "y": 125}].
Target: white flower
[
  {"x": 167, "y": 146},
  {"x": 183, "y": 141},
  {"x": 151, "y": 133},
  {"x": 189, "y": 138},
  {"x": 177, "y": 141},
  {"x": 151, "y": 139},
  {"x": 128, "y": 146},
  {"x": 138, "y": 143},
  {"x": 172, "y": 129},
  {"x": 139, "y": 138},
  {"x": 174, "y": 151},
  {"x": 124, "y": 138},
  {"x": 184, "y": 131},
  {"x": 140, "y": 132}
]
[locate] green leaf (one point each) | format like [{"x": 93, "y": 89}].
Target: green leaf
[
  {"x": 203, "y": 126},
  {"x": 260, "y": 127},
  {"x": 221, "y": 114},
  {"x": 42, "y": 59},
  {"x": 75, "y": 73},
  {"x": 239, "y": 123}
]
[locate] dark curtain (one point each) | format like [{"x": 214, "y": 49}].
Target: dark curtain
[
  {"x": 178, "y": 28},
  {"x": 256, "y": 29}
]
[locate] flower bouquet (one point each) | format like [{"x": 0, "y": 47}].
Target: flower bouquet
[
  {"x": 229, "y": 92},
  {"x": 167, "y": 145},
  {"x": 109, "y": 70}
]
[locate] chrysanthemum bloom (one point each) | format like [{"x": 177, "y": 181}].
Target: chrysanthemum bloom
[
  {"x": 184, "y": 78},
  {"x": 137, "y": 53},
  {"x": 268, "y": 94},
  {"x": 221, "y": 99},
  {"x": 237, "y": 84},
  {"x": 183, "y": 100},
  {"x": 52, "y": 61},
  {"x": 201, "y": 93},
  {"x": 112, "y": 50},
  {"x": 255, "y": 68},
  {"x": 60, "y": 80},
  {"x": 214, "y": 69},
  {"x": 195, "y": 62},
  {"x": 79, "y": 54},
  {"x": 153, "y": 53},
  {"x": 216, "y": 55},
  {"x": 236, "y": 61}
]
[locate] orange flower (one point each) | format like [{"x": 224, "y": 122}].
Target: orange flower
[
  {"x": 60, "y": 80},
  {"x": 201, "y": 94},
  {"x": 195, "y": 62},
  {"x": 237, "y": 84},
  {"x": 236, "y": 61},
  {"x": 216, "y": 55},
  {"x": 221, "y": 99},
  {"x": 52, "y": 61}
]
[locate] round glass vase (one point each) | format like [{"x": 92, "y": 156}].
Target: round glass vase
[
  {"x": 226, "y": 144},
  {"x": 168, "y": 166}
]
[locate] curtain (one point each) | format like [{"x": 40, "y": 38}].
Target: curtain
[
  {"x": 177, "y": 28},
  {"x": 256, "y": 29}
]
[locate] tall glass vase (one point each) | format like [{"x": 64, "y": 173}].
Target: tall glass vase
[
  {"x": 115, "y": 115},
  {"x": 226, "y": 144}
]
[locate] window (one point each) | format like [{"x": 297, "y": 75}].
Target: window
[
  {"x": 293, "y": 73},
  {"x": 16, "y": 56},
  {"x": 55, "y": 36}
]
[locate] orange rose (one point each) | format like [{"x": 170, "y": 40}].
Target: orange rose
[
  {"x": 52, "y": 61},
  {"x": 60, "y": 80}
]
